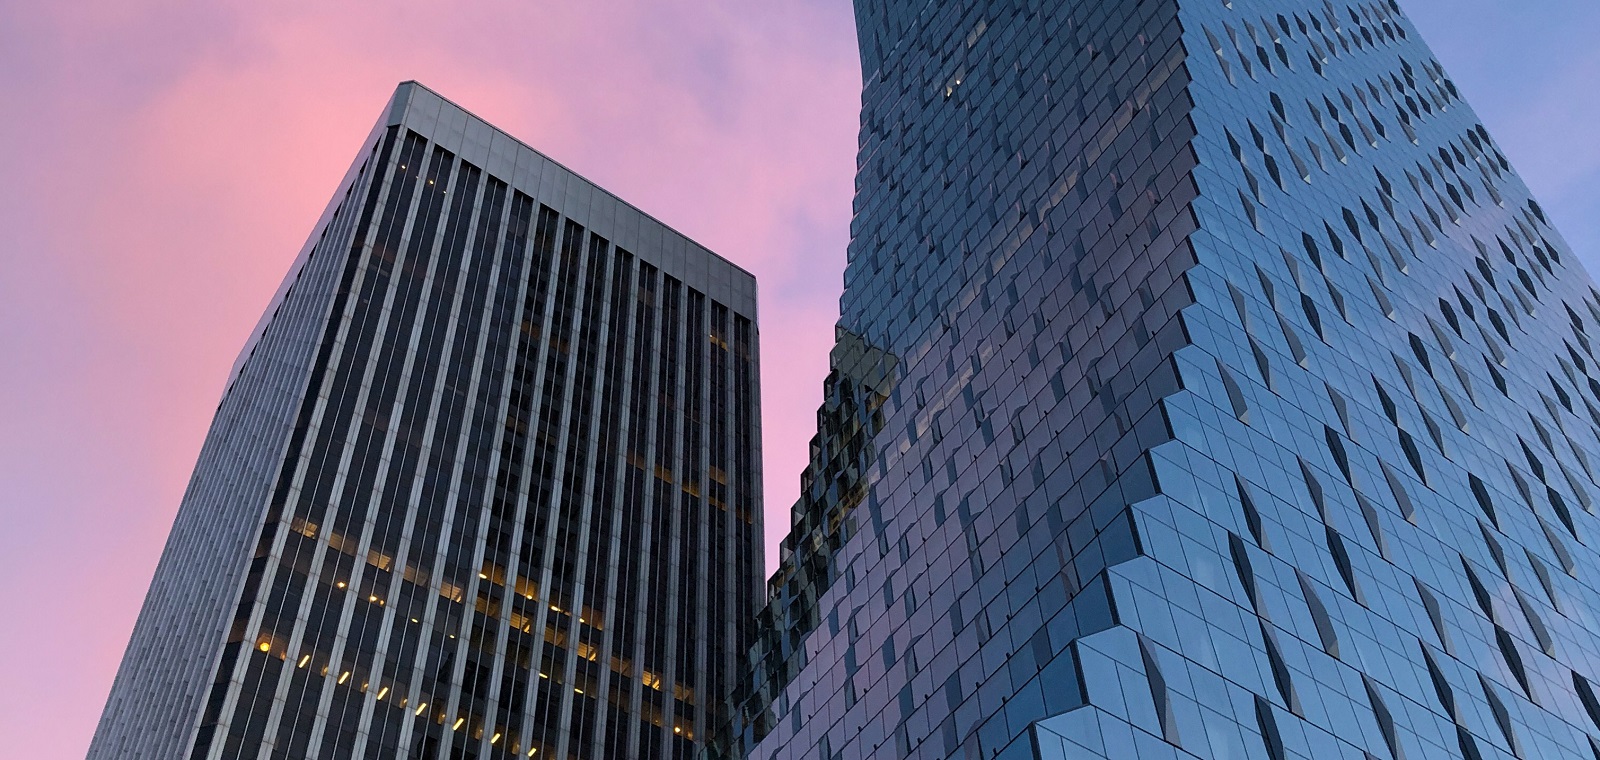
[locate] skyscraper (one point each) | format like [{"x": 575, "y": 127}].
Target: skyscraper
[
  {"x": 1208, "y": 386},
  {"x": 485, "y": 484}
]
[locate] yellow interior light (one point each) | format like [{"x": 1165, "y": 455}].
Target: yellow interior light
[
  {"x": 457, "y": 726},
  {"x": 303, "y": 661},
  {"x": 382, "y": 692},
  {"x": 422, "y": 707},
  {"x": 495, "y": 739},
  {"x": 266, "y": 646},
  {"x": 344, "y": 677}
]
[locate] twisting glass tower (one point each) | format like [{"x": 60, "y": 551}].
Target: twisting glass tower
[
  {"x": 484, "y": 485},
  {"x": 1208, "y": 386}
]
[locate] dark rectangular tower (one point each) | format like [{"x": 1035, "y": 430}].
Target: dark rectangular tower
[
  {"x": 1208, "y": 386},
  {"x": 484, "y": 484}
]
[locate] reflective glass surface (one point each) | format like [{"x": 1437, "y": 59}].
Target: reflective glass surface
[{"x": 1208, "y": 386}]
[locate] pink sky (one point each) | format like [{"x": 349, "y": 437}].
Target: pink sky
[{"x": 166, "y": 158}]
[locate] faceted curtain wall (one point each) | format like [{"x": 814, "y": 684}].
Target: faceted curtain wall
[{"x": 1227, "y": 396}]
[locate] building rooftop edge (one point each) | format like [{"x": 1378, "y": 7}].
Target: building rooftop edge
[{"x": 402, "y": 96}]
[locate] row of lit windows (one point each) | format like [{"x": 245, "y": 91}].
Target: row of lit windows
[{"x": 517, "y": 620}]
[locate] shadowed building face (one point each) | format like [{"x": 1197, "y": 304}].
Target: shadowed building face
[
  {"x": 485, "y": 483},
  {"x": 1208, "y": 386}
]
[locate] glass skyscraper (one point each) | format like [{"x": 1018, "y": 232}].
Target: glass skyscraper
[
  {"x": 485, "y": 484},
  {"x": 1208, "y": 386}
]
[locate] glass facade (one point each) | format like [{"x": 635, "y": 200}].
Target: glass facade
[
  {"x": 484, "y": 485},
  {"x": 1208, "y": 386}
]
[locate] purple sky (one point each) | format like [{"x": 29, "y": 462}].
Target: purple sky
[{"x": 166, "y": 158}]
